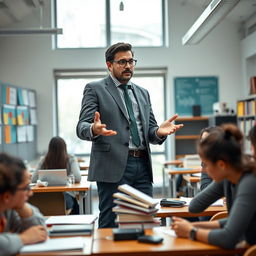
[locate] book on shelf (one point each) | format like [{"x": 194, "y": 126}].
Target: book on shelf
[
  {"x": 148, "y": 200},
  {"x": 70, "y": 230},
  {"x": 126, "y": 217},
  {"x": 253, "y": 85},
  {"x": 134, "y": 206}
]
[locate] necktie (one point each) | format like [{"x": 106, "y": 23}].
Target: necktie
[{"x": 133, "y": 124}]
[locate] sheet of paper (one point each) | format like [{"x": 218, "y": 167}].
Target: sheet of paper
[
  {"x": 71, "y": 219},
  {"x": 57, "y": 244},
  {"x": 219, "y": 202},
  {"x": 170, "y": 232}
]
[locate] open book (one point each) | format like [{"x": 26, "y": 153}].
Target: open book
[{"x": 135, "y": 193}]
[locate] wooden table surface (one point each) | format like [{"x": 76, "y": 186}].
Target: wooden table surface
[
  {"x": 84, "y": 185},
  {"x": 104, "y": 245}
]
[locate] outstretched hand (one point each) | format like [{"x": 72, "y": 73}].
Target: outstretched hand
[
  {"x": 100, "y": 129},
  {"x": 167, "y": 127}
]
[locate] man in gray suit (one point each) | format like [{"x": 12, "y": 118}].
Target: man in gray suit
[{"x": 116, "y": 116}]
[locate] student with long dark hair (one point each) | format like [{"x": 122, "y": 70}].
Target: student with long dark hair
[
  {"x": 58, "y": 158},
  {"x": 233, "y": 176},
  {"x": 20, "y": 222}
]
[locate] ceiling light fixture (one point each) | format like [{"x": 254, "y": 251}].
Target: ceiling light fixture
[{"x": 210, "y": 17}]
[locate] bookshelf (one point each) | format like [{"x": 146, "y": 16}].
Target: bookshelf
[
  {"x": 246, "y": 117},
  {"x": 186, "y": 138}
]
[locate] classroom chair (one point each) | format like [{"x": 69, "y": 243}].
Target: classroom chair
[
  {"x": 219, "y": 215},
  {"x": 251, "y": 251}
]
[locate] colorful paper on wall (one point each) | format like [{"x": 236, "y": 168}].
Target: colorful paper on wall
[
  {"x": 22, "y": 97},
  {"x": 30, "y": 133},
  {"x": 9, "y": 115},
  {"x": 22, "y": 115},
  {"x": 33, "y": 116},
  {"x": 9, "y": 95},
  {"x": 10, "y": 134},
  {"x": 22, "y": 133},
  {"x": 32, "y": 98}
]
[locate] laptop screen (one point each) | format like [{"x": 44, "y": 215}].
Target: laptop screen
[{"x": 54, "y": 177}]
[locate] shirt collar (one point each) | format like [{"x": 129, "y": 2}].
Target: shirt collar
[{"x": 117, "y": 83}]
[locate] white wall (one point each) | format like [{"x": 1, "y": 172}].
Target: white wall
[{"x": 29, "y": 61}]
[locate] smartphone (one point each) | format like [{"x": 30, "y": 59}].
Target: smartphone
[{"x": 150, "y": 239}]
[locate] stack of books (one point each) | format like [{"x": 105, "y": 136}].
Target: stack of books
[{"x": 134, "y": 208}]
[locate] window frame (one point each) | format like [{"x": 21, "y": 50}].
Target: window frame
[
  {"x": 100, "y": 73},
  {"x": 108, "y": 28}
]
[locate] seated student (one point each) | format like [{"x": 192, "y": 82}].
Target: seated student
[
  {"x": 58, "y": 158},
  {"x": 205, "y": 179},
  {"x": 221, "y": 152},
  {"x": 20, "y": 223}
]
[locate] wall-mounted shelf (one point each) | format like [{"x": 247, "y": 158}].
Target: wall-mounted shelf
[{"x": 186, "y": 137}]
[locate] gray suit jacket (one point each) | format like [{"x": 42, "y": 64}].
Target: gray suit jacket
[{"x": 109, "y": 153}]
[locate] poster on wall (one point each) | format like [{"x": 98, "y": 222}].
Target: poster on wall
[
  {"x": 9, "y": 95},
  {"x": 191, "y": 91},
  {"x": 22, "y": 97},
  {"x": 9, "y": 114},
  {"x": 21, "y": 133},
  {"x": 22, "y": 115},
  {"x": 10, "y": 134}
]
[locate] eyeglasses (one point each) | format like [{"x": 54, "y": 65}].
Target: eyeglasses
[
  {"x": 124, "y": 62},
  {"x": 26, "y": 188}
]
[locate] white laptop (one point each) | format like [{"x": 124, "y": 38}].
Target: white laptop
[{"x": 54, "y": 177}]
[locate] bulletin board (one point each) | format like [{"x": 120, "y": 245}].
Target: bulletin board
[{"x": 191, "y": 91}]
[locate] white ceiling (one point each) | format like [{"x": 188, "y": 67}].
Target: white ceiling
[
  {"x": 241, "y": 12},
  {"x": 12, "y": 11}
]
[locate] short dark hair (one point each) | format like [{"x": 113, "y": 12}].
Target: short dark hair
[
  {"x": 11, "y": 173},
  {"x": 115, "y": 48}
]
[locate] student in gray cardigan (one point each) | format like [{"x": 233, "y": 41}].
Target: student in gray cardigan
[
  {"x": 234, "y": 178},
  {"x": 20, "y": 223}
]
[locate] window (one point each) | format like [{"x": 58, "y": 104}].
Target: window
[
  {"x": 69, "y": 96},
  {"x": 99, "y": 23}
]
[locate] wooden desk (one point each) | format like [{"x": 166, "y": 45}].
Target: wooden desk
[
  {"x": 166, "y": 166},
  {"x": 83, "y": 166},
  {"x": 172, "y": 178},
  {"x": 192, "y": 182},
  {"x": 84, "y": 189},
  {"x": 164, "y": 212},
  {"x": 103, "y": 245}
]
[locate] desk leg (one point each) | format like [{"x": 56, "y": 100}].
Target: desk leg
[
  {"x": 88, "y": 202},
  {"x": 163, "y": 187},
  {"x": 82, "y": 194},
  {"x": 172, "y": 186}
]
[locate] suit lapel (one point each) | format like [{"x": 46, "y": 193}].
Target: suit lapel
[{"x": 111, "y": 88}]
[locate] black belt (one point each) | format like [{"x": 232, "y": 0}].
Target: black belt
[{"x": 138, "y": 153}]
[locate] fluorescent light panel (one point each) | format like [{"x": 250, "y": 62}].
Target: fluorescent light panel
[
  {"x": 28, "y": 31},
  {"x": 210, "y": 17}
]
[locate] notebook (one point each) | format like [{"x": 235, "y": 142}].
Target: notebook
[{"x": 54, "y": 177}]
